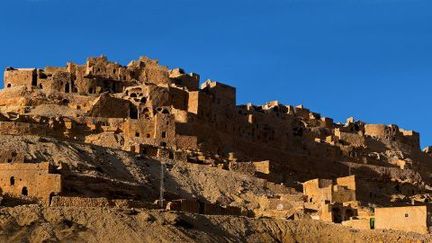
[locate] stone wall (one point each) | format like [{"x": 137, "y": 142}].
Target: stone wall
[
  {"x": 195, "y": 206},
  {"x": 320, "y": 191},
  {"x": 361, "y": 224},
  {"x": 17, "y": 77},
  {"x": 31, "y": 180},
  {"x": 104, "y": 107},
  {"x": 410, "y": 218},
  {"x": 63, "y": 201},
  {"x": 393, "y": 133}
]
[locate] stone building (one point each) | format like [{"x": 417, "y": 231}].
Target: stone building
[
  {"x": 322, "y": 190},
  {"x": 334, "y": 201},
  {"x": 407, "y": 218},
  {"x": 23, "y": 76},
  {"x": 29, "y": 180}
]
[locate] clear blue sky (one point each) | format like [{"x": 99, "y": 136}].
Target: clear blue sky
[{"x": 371, "y": 59}]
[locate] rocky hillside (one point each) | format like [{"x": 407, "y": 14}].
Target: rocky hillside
[{"x": 36, "y": 224}]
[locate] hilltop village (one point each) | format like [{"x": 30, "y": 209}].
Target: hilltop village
[{"x": 302, "y": 164}]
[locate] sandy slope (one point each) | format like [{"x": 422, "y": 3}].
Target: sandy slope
[{"x": 36, "y": 224}]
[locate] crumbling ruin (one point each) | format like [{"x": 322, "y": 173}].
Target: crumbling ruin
[
  {"x": 30, "y": 180},
  {"x": 152, "y": 112}
]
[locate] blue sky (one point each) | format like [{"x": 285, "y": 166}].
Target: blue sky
[{"x": 371, "y": 59}]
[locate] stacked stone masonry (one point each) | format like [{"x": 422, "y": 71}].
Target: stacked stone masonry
[{"x": 146, "y": 108}]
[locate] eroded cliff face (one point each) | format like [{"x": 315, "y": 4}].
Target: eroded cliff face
[{"x": 107, "y": 128}]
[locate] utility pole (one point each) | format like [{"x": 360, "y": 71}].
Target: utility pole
[{"x": 162, "y": 185}]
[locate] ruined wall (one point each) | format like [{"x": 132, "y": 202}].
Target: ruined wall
[
  {"x": 32, "y": 180},
  {"x": 146, "y": 70},
  {"x": 110, "y": 107},
  {"x": 158, "y": 130},
  {"x": 191, "y": 206},
  {"x": 16, "y": 77},
  {"x": 281, "y": 206},
  {"x": 337, "y": 213},
  {"x": 181, "y": 79},
  {"x": 179, "y": 99},
  {"x": 411, "y": 138},
  {"x": 342, "y": 194},
  {"x": 193, "y": 102},
  {"x": 11, "y": 156},
  {"x": 62, "y": 201},
  {"x": 58, "y": 80},
  {"x": 393, "y": 133},
  {"x": 26, "y": 128},
  {"x": 142, "y": 130},
  {"x": 361, "y": 224},
  {"x": 313, "y": 189},
  {"x": 100, "y": 67},
  {"x": 97, "y": 76},
  {"x": 379, "y": 131},
  {"x": 263, "y": 167},
  {"x": 321, "y": 190},
  {"x": 353, "y": 139},
  {"x": 348, "y": 181},
  {"x": 252, "y": 168},
  {"x": 164, "y": 129}
]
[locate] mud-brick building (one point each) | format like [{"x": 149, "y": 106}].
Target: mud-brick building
[
  {"x": 326, "y": 191},
  {"x": 30, "y": 180},
  {"x": 335, "y": 201},
  {"x": 408, "y": 218},
  {"x": 22, "y": 76}
]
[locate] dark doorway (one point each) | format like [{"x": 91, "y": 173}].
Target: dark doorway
[
  {"x": 24, "y": 191},
  {"x": 348, "y": 214},
  {"x": 67, "y": 88},
  {"x": 133, "y": 112},
  {"x": 337, "y": 217}
]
